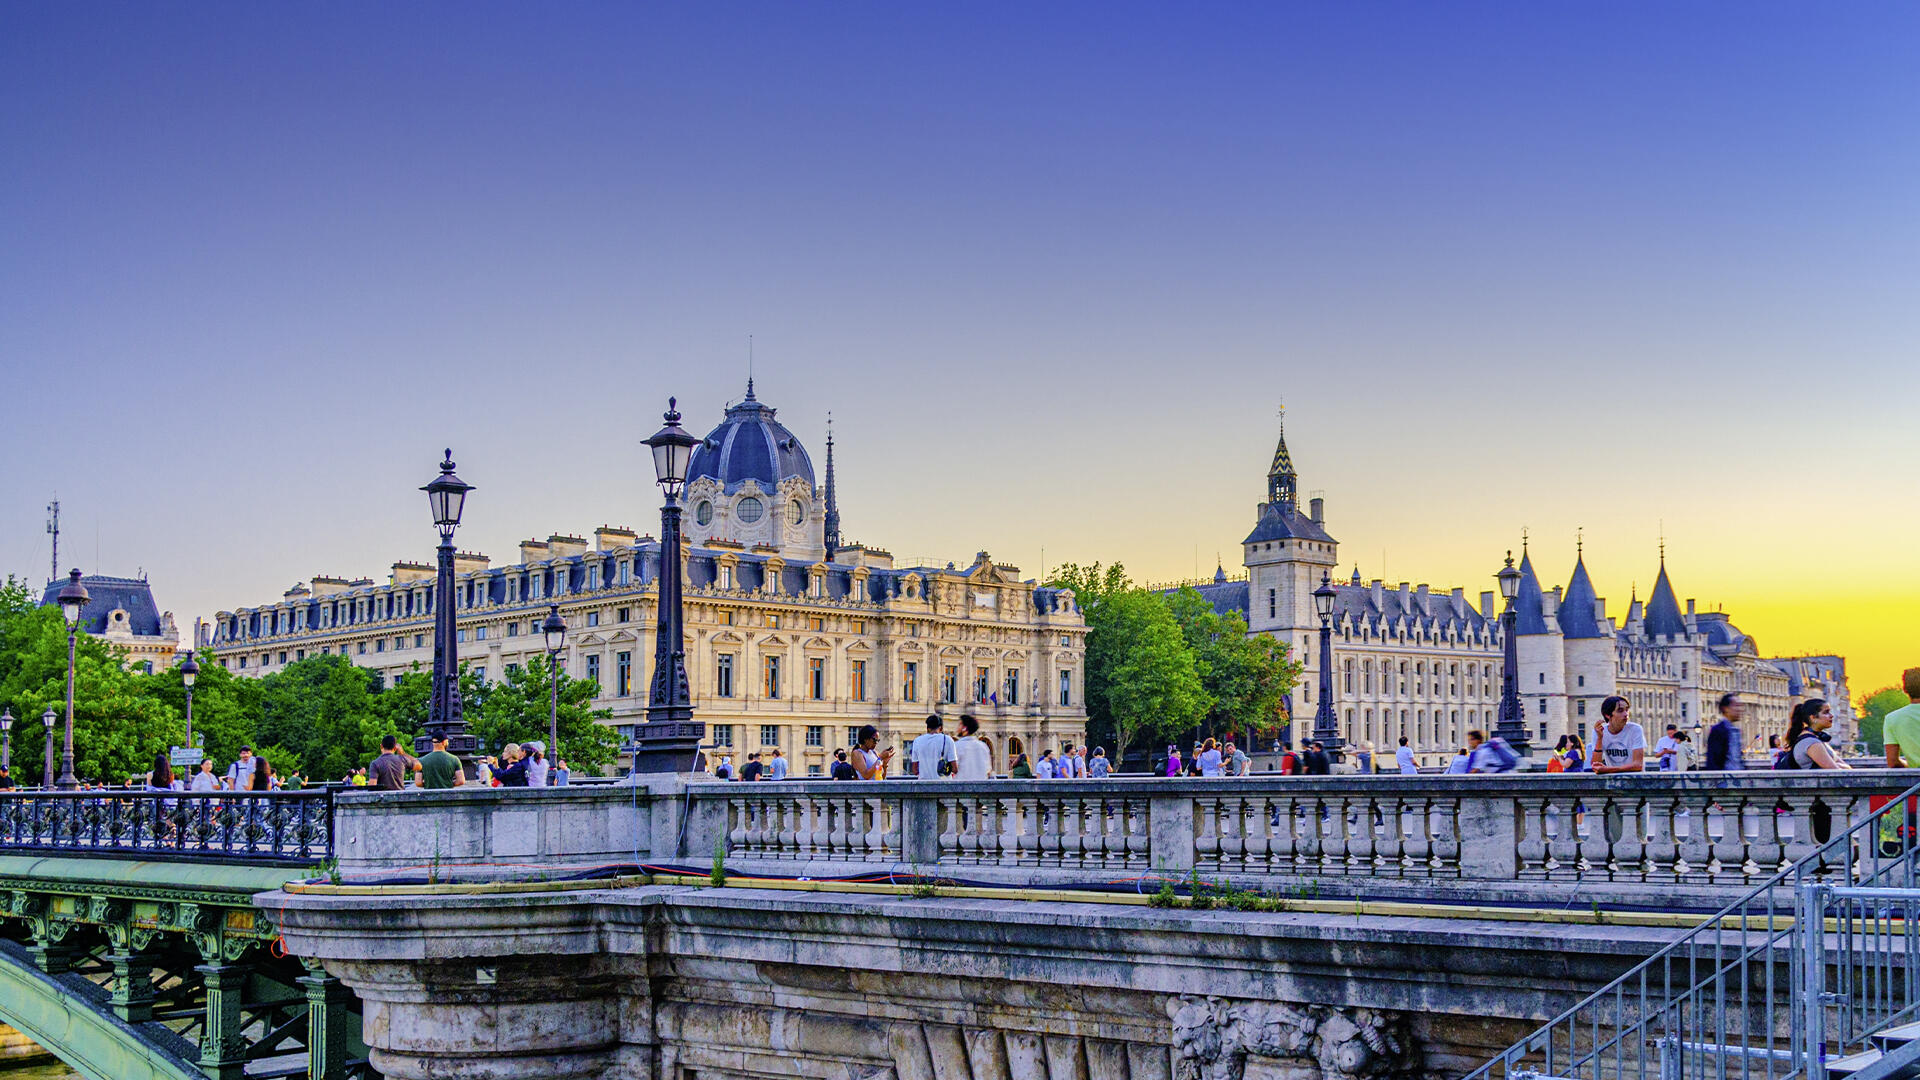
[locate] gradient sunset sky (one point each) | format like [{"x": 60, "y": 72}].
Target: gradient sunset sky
[{"x": 1052, "y": 268}]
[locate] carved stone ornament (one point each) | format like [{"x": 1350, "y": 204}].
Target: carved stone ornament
[{"x": 1213, "y": 1038}]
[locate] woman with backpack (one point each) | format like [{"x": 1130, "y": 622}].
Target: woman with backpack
[{"x": 1807, "y": 738}]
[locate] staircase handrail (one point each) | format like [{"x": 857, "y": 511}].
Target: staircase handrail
[{"x": 1511, "y": 1060}]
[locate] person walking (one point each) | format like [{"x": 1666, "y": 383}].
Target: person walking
[
  {"x": 1403, "y": 757},
  {"x": 262, "y": 777},
  {"x": 1619, "y": 744},
  {"x": 1173, "y": 760},
  {"x": 1319, "y": 762},
  {"x": 723, "y": 769},
  {"x": 562, "y": 776},
  {"x": 238, "y": 771},
  {"x": 1099, "y": 768},
  {"x": 1209, "y": 759},
  {"x": 751, "y": 771},
  {"x": 842, "y": 768},
  {"x": 1666, "y": 748},
  {"x": 1486, "y": 755},
  {"x": 777, "y": 768},
  {"x": 389, "y": 770},
  {"x": 1724, "y": 740},
  {"x": 1685, "y": 756},
  {"x": 971, "y": 758},
  {"x": 1043, "y": 767},
  {"x": 204, "y": 780},
  {"x": 440, "y": 770},
  {"x": 1901, "y": 728},
  {"x": 931, "y": 756},
  {"x": 868, "y": 760}
]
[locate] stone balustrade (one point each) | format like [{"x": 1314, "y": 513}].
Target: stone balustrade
[{"x": 1651, "y": 838}]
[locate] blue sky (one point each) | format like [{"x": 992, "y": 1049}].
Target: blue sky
[{"x": 1630, "y": 269}]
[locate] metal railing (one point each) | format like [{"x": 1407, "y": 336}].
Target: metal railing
[
  {"x": 1729, "y": 998},
  {"x": 1861, "y": 977},
  {"x": 273, "y": 826}
]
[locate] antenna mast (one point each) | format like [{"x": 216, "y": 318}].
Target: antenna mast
[{"x": 53, "y": 530}]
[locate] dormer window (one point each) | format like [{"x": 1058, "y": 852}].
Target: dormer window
[{"x": 726, "y": 577}]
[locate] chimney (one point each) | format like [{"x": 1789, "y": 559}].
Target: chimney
[
  {"x": 1459, "y": 602},
  {"x": 1317, "y": 510},
  {"x": 1486, "y": 606},
  {"x": 1600, "y": 608},
  {"x": 1379, "y": 595},
  {"x": 1689, "y": 609},
  {"x": 1420, "y": 598}
]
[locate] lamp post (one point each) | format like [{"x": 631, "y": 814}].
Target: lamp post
[
  {"x": 46, "y": 775},
  {"x": 6, "y": 739},
  {"x": 189, "y": 671},
  {"x": 1326, "y": 729},
  {"x": 72, "y": 598},
  {"x": 447, "y": 497},
  {"x": 1512, "y": 727},
  {"x": 671, "y": 737},
  {"x": 555, "y": 631}
]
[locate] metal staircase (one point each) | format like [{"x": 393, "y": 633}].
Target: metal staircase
[{"x": 1813, "y": 974}]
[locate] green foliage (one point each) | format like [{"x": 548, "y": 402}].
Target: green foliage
[
  {"x": 322, "y": 708},
  {"x": 118, "y": 729},
  {"x": 1167, "y": 897},
  {"x": 1246, "y": 679},
  {"x": 1141, "y": 677},
  {"x": 1091, "y": 584},
  {"x": 514, "y": 709},
  {"x": 224, "y": 707},
  {"x": 1873, "y": 712},
  {"x": 719, "y": 874}
]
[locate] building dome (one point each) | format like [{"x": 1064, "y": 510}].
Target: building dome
[{"x": 750, "y": 445}]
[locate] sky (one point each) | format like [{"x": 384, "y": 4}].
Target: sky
[{"x": 1628, "y": 272}]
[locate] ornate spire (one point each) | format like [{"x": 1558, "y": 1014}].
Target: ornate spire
[
  {"x": 833, "y": 505},
  {"x": 1282, "y": 481}
]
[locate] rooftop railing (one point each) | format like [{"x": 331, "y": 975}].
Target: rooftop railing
[{"x": 244, "y": 826}]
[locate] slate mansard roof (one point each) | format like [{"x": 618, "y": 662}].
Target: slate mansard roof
[
  {"x": 750, "y": 445},
  {"x": 1279, "y": 522},
  {"x": 104, "y": 594}
]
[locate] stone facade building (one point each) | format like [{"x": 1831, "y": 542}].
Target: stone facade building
[
  {"x": 122, "y": 612},
  {"x": 795, "y": 637},
  {"x": 1426, "y": 663}
]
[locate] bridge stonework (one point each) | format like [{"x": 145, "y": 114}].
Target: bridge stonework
[{"x": 682, "y": 983}]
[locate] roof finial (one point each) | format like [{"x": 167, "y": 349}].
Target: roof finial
[
  {"x": 1579, "y": 542},
  {"x": 1663, "y": 542},
  {"x": 1523, "y": 542},
  {"x": 832, "y": 531},
  {"x": 750, "y": 396}
]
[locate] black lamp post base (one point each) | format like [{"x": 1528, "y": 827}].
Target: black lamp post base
[{"x": 667, "y": 746}]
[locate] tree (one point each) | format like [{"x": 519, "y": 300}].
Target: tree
[
  {"x": 1090, "y": 584},
  {"x": 117, "y": 728},
  {"x": 324, "y": 709},
  {"x": 224, "y": 706},
  {"x": 1872, "y": 716},
  {"x": 1246, "y": 679},
  {"x": 514, "y": 709},
  {"x": 1141, "y": 679}
]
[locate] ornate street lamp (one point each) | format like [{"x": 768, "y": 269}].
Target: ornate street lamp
[
  {"x": 671, "y": 737},
  {"x": 554, "y": 629},
  {"x": 72, "y": 599},
  {"x": 189, "y": 671},
  {"x": 46, "y": 775},
  {"x": 6, "y": 739},
  {"x": 1326, "y": 728},
  {"x": 447, "y": 497},
  {"x": 1512, "y": 726}
]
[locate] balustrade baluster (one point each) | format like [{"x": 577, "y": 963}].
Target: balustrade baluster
[
  {"x": 1443, "y": 822},
  {"x": 1695, "y": 854},
  {"x": 1029, "y": 826}
]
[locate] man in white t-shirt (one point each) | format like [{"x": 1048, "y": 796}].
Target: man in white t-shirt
[
  {"x": 204, "y": 780},
  {"x": 930, "y": 751},
  {"x": 1404, "y": 757},
  {"x": 971, "y": 758},
  {"x": 1619, "y": 745},
  {"x": 1667, "y": 750}
]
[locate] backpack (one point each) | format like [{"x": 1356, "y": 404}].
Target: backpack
[
  {"x": 1556, "y": 763},
  {"x": 1503, "y": 755},
  {"x": 1289, "y": 764},
  {"x": 1786, "y": 760}
]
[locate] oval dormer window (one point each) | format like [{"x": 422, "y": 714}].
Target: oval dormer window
[
  {"x": 796, "y": 512},
  {"x": 750, "y": 509},
  {"x": 703, "y": 513}
]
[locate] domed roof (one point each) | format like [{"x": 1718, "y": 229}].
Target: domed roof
[{"x": 750, "y": 445}]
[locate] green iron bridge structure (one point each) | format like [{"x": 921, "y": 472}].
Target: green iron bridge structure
[{"x": 130, "y": 946}]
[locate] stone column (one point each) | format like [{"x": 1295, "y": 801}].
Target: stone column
[
  {"x": 132, "y": 996},
  {"x": 327, "y": 1020},
  {"x": 223, "y": 1049}
]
